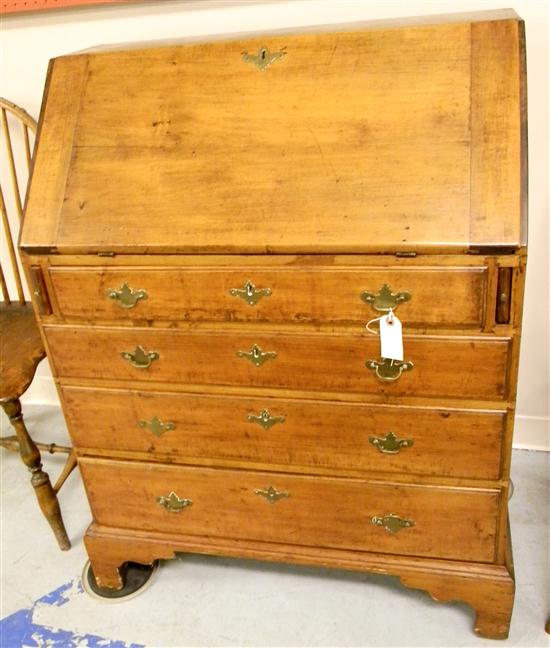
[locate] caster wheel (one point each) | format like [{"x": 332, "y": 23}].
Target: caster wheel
[{"x": 136, "y": 578}]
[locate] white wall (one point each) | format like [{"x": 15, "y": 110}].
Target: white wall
[{"x": 29, "y": 41}]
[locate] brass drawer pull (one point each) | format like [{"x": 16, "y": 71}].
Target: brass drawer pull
[
  {"x": 271, "y": 494},
  {"x": 264, "y": 58},
  {"x": 156, "y": 426},
  {"x": 385, "y": 300},
  {"x": 125, "y": 296},
  {"x": 390, "y": 444},
  {"x": 139, "y": 358},
  {"x": 250, "y": 294},
  {"x": 256, "y": 356},
  {"x": 173, "y": 503},
  {"x": 388, "y": 370},
  {"x": 392, "y": 523},
  {"x": 265, "y": 419}
]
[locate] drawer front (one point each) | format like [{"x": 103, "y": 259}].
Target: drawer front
[
  {"x": 460, "y": 367},
  {"x": 443, "y": 522},
  {"x": 290, "y": 433},
  {"x": 439, "y": 296}
]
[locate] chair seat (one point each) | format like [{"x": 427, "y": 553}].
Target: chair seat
[{"x": 21, "y": 349}]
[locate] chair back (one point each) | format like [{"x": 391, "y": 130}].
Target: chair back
[{"x": 18, "y": 131}]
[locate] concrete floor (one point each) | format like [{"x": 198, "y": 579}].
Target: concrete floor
[{"x": 204, "y": 601}]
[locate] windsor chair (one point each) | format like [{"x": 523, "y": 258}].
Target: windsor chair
[{"x": 21, "y": 347}]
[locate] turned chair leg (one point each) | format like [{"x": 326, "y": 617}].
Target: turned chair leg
[{"x": 30, "y": 455}]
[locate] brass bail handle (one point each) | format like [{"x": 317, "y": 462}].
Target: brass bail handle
[
  {"x": 388, "y": 370},
  {"x": 125, "y": 296},
  {"x": 385, "y": 300},
  {"x": 390, "y": 444},
  {"x": 392, "y": 523},
  {"x": 140, "y": 359}
]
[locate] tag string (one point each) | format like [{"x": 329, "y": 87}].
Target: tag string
[{"x": 389, "y": 315}]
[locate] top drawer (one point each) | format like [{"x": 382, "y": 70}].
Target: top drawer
[{"x": 446, "y": 296}]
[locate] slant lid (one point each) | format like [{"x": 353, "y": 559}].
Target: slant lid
[{"x": 374, "y": 140}]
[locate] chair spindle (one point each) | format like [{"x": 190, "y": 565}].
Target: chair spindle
[
  {"x": 11, "y": 250},
  {"x": 13, "y": 171}
]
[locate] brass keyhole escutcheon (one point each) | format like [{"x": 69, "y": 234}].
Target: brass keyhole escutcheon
[
  {"x": 256, "y": 356},
  {"x": 265, "y": 419},
  {"x": 385, "y": 300},
  {"x": 264, "y": 58},
  {"x": 156, "y": 426},
  {"x": 392, "y": 523},
  {"x": 388, "y": 370},
  {"x": 250, "y": 294},
  {"x": 125, "y": 296},
  {"x": 140, "y": 359},
  {"x": 271, "y": 494},
  {"x": 172, "y": 503},
  {"x": 390, "y": 444}
]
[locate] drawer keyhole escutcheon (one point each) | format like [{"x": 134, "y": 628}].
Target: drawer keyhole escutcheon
[
  {"x": 156, "y": 426},
  {"x": 140, "y": 359},
  {"x": 250, "y": 294},
  {"x": 271, "y": 494},
  {"x": 173, "y": 503},
  {"x": 256, "y": 356},
  {"x": 264, "y": 58},
  {"x": 392, "y": 523},
  {"x": 385, "y": 300},
  {"x": 390, "y": 444},
  {"x": 388, "y": 370},
  {"x": 265, "y": 419},
  {"x": 125, "y": 296}
]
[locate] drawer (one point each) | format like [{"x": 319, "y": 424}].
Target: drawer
[
  {"x": 461, "y": 367},
  {"x": 454, "y": 523},
  {"x": 291, "y": 433},
  {"x": 439, "y": 296}
]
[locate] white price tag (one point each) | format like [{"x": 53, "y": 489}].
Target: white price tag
[{"x": 391, "y": 337}]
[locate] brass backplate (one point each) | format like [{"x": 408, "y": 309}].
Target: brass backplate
[
  {"x": 249, "y": 293},
  {"x": 156, "y": 426},
  {"x": 390, "y": 444},
  {"x": 173, "y": 503},
  {"x": 265, "y": 419},
  {"x": 388, "y": 370},
  {"x": 392, "y": 523},
  {"x": 271, "y": 494},
  {"x": 385, "y": 300},
  {"x": 140, "y": 359},
  {"x": 125, "y": 296},
  {"x": 264, "y": 58},
  {"x": 256, "y": 356}
]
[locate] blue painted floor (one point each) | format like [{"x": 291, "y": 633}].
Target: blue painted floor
[{"x": 20, "y": 628}]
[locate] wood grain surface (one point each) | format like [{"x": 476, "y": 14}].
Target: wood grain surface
[
  {"x": 375, "y": 141},
  {"x": 449, "y": 523},
  {"x": 312, "y": 434},
  {"x": 459, "y": 367},
  {"x": 311, "y": 294},
  {"x": 488, "y": 589}
]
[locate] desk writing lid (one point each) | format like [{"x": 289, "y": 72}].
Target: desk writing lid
[{"x": 378, "y": 139}]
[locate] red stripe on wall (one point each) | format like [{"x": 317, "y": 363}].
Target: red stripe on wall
[{"x": 17, "y": 6}]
